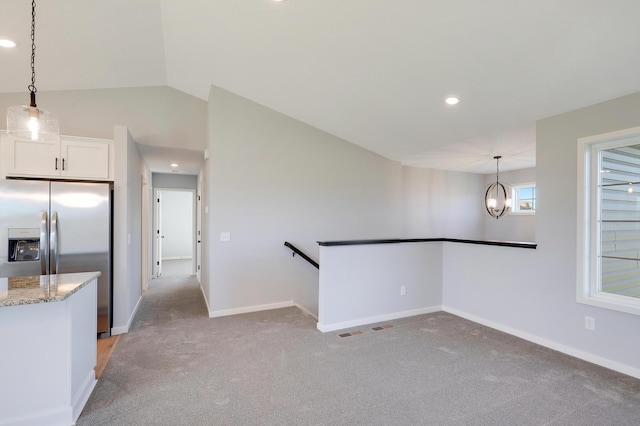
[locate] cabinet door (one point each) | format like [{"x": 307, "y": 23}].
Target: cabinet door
[
  {"x": 33, "y": 158},
  {"x": 85, "y": 160}
]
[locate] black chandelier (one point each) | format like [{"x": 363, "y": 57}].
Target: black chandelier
[{"x": 497, "y": 199}]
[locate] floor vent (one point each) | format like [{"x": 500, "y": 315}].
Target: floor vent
[
  {"x": 357, "y": 333},
  {"x": 353, "y": 333}
]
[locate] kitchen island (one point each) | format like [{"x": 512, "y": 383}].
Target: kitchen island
[{"x": 47, "y": 347}]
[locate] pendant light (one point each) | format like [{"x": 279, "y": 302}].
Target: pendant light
[
  {"x": 31, "y": 122},
  {"x": 497, "y": 199}
]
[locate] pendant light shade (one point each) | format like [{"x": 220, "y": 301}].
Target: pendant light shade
[
  {"x": 31, "y": 122},
  {"x": 497, "y": 199},
  {"x": 28, "y": 122}
]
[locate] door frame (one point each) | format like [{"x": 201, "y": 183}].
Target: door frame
[{"x": 157, "y": 231}]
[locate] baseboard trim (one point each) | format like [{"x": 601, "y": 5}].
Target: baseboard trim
[
  {"x": 54, "y": 417},
  {"x": 248, "y": 309},
  {"x": 379, "y": 318},
  {"x": 206, "y": 302},
  {"x": 83, "y": 394},
  {"x": 568, "y": 350},
  {"x": 306, "y": 311},
  {"x": 125, "y": 329}
]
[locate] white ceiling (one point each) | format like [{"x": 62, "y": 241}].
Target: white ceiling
[{"x": 374, "y": 72}]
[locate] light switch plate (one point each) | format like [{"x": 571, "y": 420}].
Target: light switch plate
[{"x": 225, "y": 236}]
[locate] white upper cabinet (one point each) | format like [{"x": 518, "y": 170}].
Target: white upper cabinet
[{"x": 70, "y": 158}]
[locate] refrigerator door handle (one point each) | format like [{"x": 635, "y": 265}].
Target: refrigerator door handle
[
  {"x": 53, "y": 247},
  {"x": 44, "y": 249}
]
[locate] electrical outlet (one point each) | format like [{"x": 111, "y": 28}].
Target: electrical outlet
[
  {"x": 225, "y": 236},
  {"x": 590, "y": 323},
  {"x": 403, "y": 290}
]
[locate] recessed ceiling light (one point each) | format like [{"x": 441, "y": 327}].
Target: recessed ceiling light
[
  {"x": 7, "y": 43},
  {"x": 452, "y": 100},
  {"x": 174, "y": 165}
]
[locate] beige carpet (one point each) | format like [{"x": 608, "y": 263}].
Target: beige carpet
[{"x": 178, "y": 367}]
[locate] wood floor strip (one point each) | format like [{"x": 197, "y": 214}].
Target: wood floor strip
[{"x": 105, "y": 349}]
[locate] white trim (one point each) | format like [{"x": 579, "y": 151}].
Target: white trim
[
  {"x": 306, "y": 311},
  {"x": 178, "y": 258},
  {"x": 568, "y": 350},
  {"x": 206, "y": 302},
  {"x": 56, "y": 416},
  {"x": 125, "y": 329},
  {"x": 379, "y": 318},
  {"x": 83, "y": 394},
  {"x": 587, "y": 233},
  {"x": 248, "y": 309}
]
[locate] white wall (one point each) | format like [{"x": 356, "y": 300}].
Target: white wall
[
  {"x": 512, "y": 227},
  {"x": 539, "y": 302},
  {"x": 177, "y": 224}
]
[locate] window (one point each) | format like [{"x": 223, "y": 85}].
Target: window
[
  {"x": 609, "y": 221},
  {"x": 523, "y": 198}
]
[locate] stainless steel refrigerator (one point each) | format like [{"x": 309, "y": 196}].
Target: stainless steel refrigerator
[{"x": 56, "y": 227}]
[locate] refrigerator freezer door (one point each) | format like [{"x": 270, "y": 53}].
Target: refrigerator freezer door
[
  {"x": 82, "y": 242},
  {"x": 23, "y": 206}
]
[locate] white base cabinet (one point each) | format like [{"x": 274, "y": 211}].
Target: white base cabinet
[
  {"x": 48, "y": 356},
  {"x": 68, "y": 158}
]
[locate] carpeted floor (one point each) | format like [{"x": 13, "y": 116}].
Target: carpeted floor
[{"x": 178, "y": 367}]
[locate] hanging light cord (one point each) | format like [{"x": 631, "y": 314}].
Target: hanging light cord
[
  {"x": 32, "y": 86},
  {"x": 497, "y": 157}
]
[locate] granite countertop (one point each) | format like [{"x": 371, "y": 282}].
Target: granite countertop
[{"x": 32, "y": 289}]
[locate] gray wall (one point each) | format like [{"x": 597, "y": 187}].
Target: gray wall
[
  {"x": 174, "y": 181},
  {"x": 511, "y": 227},
  {"x": 157, "y": 115},
  {"x": 127, "y": 255},
  {"x": 272, "y": 179},
  {"x": 439, "y": 203}
]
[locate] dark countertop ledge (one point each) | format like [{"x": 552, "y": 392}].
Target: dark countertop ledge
[{"x": 516, "y": 244}]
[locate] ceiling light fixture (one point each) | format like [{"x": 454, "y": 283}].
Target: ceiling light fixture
[
  {"x": 30, "y": 122},
  {"x": 174, "y": 165},
  {"x": 7, "y": 43},
  {"x": 452, "y": 100},
  {"x": 497, "y": 199}
]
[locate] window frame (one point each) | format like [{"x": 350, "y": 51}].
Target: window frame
[
  {"x": 588, "y": 271},
  {"x": 515, "y": 198}
]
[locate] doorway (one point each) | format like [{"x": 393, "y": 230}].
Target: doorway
[{"x": 174, "y": 232}]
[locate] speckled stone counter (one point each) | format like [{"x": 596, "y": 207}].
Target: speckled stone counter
[
  {"x": 28, "y": 290},
  {"x": 48, "y": 347}
]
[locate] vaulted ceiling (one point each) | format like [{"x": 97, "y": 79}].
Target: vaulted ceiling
[{"x": 374, "y": 72}]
